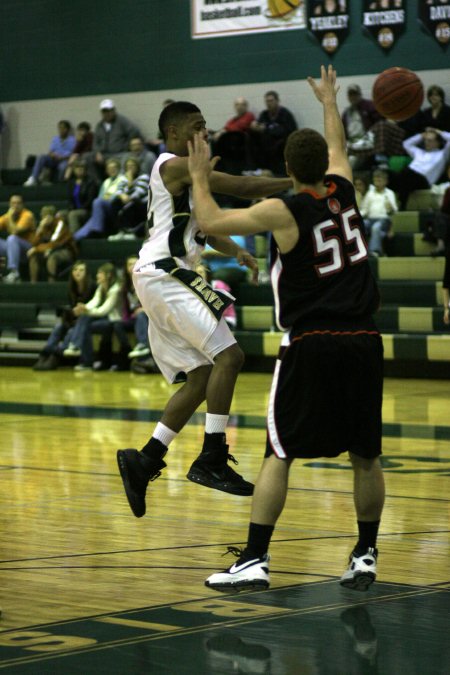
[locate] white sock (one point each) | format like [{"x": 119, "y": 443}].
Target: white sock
[
  {"x": 216, "y": 424},
  {"x": 164, "y": 434}
]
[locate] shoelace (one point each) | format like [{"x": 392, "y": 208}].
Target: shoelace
[
  {"x": 232, "y": 459},
  {"x": 234, "y": 550}
]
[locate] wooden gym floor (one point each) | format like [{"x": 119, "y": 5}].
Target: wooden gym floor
[{"x": 88, "y": 588}]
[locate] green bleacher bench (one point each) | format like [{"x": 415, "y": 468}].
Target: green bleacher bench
[
  {"x": 12, "y": 316},
  {"x": 405, "y": 221},
  {"x": 43, "y": 294},
  {"x": 112, "y": 251},
  {"x": 45, "y": 194}
]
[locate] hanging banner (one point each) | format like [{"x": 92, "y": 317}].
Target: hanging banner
[
  {"x": 384, "y": 20},
  {"x": 435, "y": 16},
  {"x": 328, "y": 21},
  {"x": 217, "y": 18}
]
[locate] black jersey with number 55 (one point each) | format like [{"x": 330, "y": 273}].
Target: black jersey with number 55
[{"x": 325, "y": 279}]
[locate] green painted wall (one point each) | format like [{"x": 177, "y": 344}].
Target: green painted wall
[{"x": 59, "y": 48}]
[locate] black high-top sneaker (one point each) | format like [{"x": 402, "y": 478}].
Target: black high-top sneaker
[
  {"x": 212, "y": 470},
  {"x": 137, "y": 470}
]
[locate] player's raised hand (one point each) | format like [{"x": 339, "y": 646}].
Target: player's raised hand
[
  {"x": 199, "y": 162},
  {"x": 325, "y": 89}
]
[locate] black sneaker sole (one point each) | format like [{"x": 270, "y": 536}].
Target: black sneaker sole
[
  {"x": 243, "y": 490},
  {"x": 257, "y": 585},
  {"x": 136, "y": 502},
  {"x": 360, "y": 582}
]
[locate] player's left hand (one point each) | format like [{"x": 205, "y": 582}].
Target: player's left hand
[
  {"x": 199, "y": 161},
  {"x": 244, "y": 258}
]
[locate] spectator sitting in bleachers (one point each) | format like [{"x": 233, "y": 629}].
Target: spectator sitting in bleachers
[
  {"x": 361, "y": 185},
  {"x": 358, "y": 119},
  {"x": 55, "y": 161},
  {"x": 81, "y": 289},
  {"x": 130, "y": 203},
  {"x": 430, "y": 151},
  {"x": 84, "y": 139},
  {"x": 138, "y": 151},
  {"x": 52, "y": 246},
  {"x": 269, "y": 135},
  {"x": 437, "y": 224},
  {"x": 133, "y": 319},
  {"x": 20, "y": 225},
  {"x": 96, "y": 316},
  {"x": 377, "y": 207},
  {"x": 81, "y": 192},
  {"x": 112, "y": 136},
  {"x": 231, "y": 142},
  {"x": 387, "y": 141},
  {"x": 103, "y": 211},
  {"x": 437, "y": 115}
]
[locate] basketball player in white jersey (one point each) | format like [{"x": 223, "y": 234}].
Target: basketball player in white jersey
[{"x": 189, "y": 338}]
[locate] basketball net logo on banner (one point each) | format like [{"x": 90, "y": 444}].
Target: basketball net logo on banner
[
  {"x": 435, "y": 17},
  {"x": 328, "y": 21},
  {"x": 384, "y": 20}
]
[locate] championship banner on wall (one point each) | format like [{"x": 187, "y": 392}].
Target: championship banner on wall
[
  {"x": 328, "y": 21},
  {"x": 435, "y": 16},
  {"x": 384, "y": 20},
  {"x": 217, "y": 18}
]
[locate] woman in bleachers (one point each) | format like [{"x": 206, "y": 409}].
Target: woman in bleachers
[
  {"x": 96, "y": 316},
  {"x": 103, "y": 210},
  {"x": 133, "y": 319},
  {"x": 437, "y": 115},
  {"x": 131, "y": 202},
  {"x": 52, "y": 247},
  {"x": 81, "y": 192},
  {"x": 81, "y": 289}
]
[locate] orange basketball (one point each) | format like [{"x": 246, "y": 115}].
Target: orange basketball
[
  {"x": 397, "y": 93},
  {"x": 277, "y": 8}
]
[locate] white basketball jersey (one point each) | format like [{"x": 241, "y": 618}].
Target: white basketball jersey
[{"x": 173, "y": 231}]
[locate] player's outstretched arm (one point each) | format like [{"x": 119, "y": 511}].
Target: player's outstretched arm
[{"x": 325, "y": 91}]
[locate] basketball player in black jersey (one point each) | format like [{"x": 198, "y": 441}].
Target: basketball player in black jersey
[{"x": 326, "y": 391}]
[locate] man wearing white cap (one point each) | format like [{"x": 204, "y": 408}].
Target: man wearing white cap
[{"x": 112, "y": 134}]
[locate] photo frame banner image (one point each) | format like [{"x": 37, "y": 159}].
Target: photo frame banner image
[
  {"x": 435, "y": 16},
  {"x": 328, "y": 21},
  {"x": 385, "y": 20},
  {"x": 220, "y": 18}
]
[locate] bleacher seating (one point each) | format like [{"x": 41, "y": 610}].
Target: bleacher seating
[{"x": 416, "y": 341}]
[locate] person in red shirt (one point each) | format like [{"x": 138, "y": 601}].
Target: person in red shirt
[
  {"x": 230, "y": 142},
  {"x": 240, "y": 122}
]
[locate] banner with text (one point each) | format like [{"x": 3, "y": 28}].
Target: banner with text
[
  {"x": 384, "y": 20},
  {"x": 435, "y": 16},
  {"x": 217, "y": 18},
  {"x": 328, "y": 21}
]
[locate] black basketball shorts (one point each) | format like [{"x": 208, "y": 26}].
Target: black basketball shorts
[{"x": 326, "y": 395}]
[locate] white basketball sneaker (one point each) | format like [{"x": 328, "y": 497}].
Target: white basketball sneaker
[
  {"x": 244, "y": 575},
  {"x": 362, "y": 570}
]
